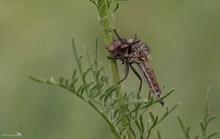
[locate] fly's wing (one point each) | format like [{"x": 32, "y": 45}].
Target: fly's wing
[{"x": 150, "y": 77}]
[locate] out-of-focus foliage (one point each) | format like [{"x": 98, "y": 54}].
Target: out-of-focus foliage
[{"x": 35, "y": 39}]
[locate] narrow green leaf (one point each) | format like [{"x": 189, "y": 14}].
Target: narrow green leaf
[
  {"x": 142, "y": 124},
  {"x": 77, "y": 58},
  {"x": 152, "y": 116},
  {"x": 83, "y": 90},
  {"x": 37, "y": 79},
  {"x": 109, "y": 90},
  {"x": 133, "y": 133},
  {"x": 210, "y": 119},
  {"x": 115, "y": 113},
  {"x": 62, "y": 82},
  {"x": 149, "y": 96},
  {"x": 96, "y": 90},
  {"x": 61, "y": 79},
  {"x": 96, "y": 53},
  {"x": 72, "y": 85},
  {"x": 119, "y": 121},
  {"x": 74, "y": 50},
  {"x": 156, "y": 119},
  {"x": 74, "y": 74},
  {"x": 104, "y": 79},
  {"x": 85, "y": 74},
  {"x": 187, "y": 132},
  {"x": 181, "y": 123},
  {"x": 85, "y": 87},
  {"x": 202, "y": 127},
  {"x": 67, "y": 83},
  {"x": 88, "y": 58},
  {"x": 163, "y": 88},
  {"x": 158, "y": 134},
  {"x": 123, "y": 109},
  {"x": 79, "y": 65},
  {"x": 212, "y": 135},
  {"x": 98, "y": 74},
  {"x": 107, "y": 96},
  {"x": 95, "y": 94},
  {"x": 97, "y": 86},
  {"x": 116, "y": 7},
  {"x": 113, "y": 102},
  {"x": 79, "y": 90},
  {"x": 138, "y": 126}
]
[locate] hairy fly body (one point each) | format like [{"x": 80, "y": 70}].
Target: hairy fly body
[{"x": 134, "y": 51}]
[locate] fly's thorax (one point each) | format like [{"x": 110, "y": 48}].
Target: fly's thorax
[{"x": 139, "y": 52}]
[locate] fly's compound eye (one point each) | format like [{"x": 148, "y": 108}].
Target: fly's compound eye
[{"x": 114, "y": 45}]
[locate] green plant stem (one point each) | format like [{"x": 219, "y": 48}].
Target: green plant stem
[
  {"x": 104, "y": 18},
  {"x": 103, "y": 15}
]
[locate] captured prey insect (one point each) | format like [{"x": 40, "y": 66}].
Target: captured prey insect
[{"x": 135, "y": 51}]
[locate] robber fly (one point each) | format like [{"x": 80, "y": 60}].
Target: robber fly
[{"x": 135, "y": 51}]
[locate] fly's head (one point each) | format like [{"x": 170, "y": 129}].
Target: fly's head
[
  {"x": 122, "y": 47},
  {"x": 114, "y": 45},
  {"x": 118, "y": 47}
]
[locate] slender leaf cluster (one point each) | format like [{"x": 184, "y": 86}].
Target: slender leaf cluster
[
  {"x": 101, "y": 96},
  {"x": 207, "y": 118},
  {"x": 204, "y": 125}
]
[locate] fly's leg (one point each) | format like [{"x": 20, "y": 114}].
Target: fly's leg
[
  {"x": 138, "y": 75},
  {"x": 124, "y": 61},
  {"x": 126, "y": 72},
  {"x": 121, "y": 58},
  {"x": 116, "y": 58},
  {"x": 122, "y": 40},
  {"x": 115, "y": 31}
]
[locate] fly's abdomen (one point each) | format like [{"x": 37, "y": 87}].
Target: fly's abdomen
[{"x": 149, "y": 77}]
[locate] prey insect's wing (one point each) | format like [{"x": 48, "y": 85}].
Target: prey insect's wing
[{"x": 150, "y": 77}]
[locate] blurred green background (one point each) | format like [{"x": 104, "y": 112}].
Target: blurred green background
[{"x": 35, "y": 39}]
